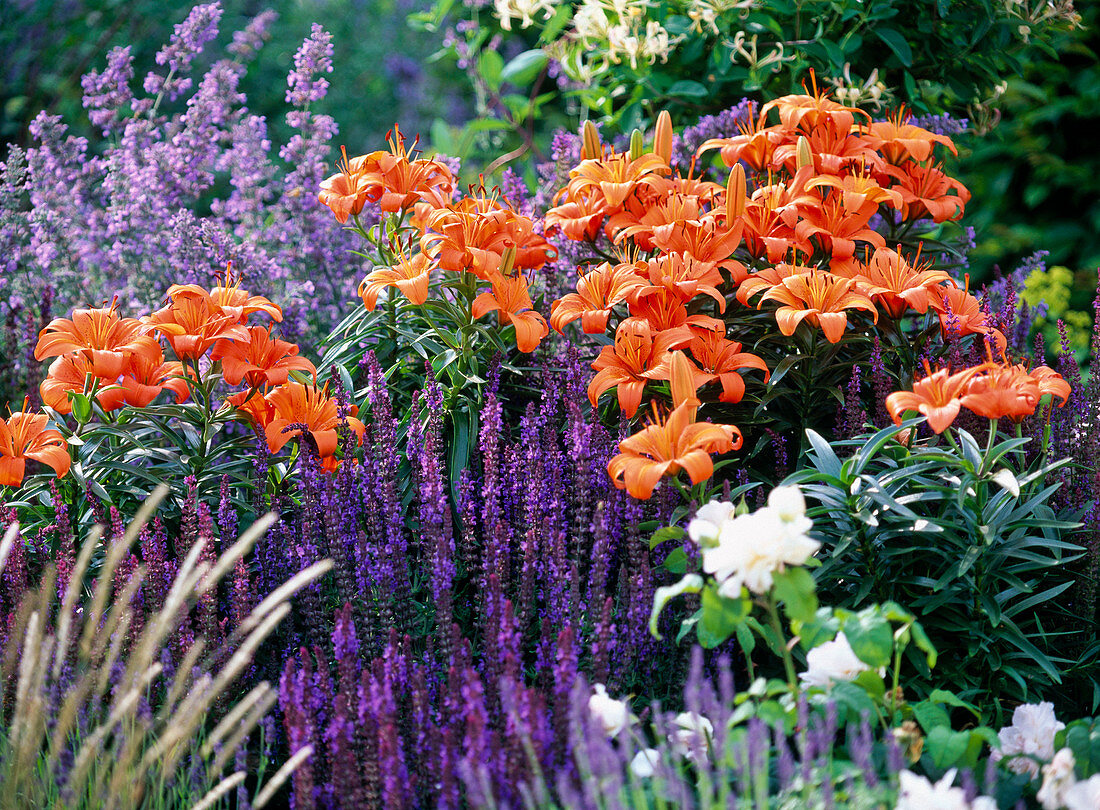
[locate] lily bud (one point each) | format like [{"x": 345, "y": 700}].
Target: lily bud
[
  {"x": 507, "y": 260},
  {"x": 637, "y": 144},
  {"x": 590, "y": 142},
  {"x": 735, "y": 194},
  {"x": 662, "y": 137},
  {"x": 805, "y": 156}
]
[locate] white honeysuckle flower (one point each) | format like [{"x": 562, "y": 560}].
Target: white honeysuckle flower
[
  {"x": 1084, "y": 795},
  {"x": 832, "y": 662},
  {"x": 1029, "y": 738},
  {"x": 590, "y": 23},
  {"x": 917, "y": 793},
  {"x": 1058, "y": 777},
  {"x": 611, "y": 715},
  {"x": 691, "y": 736},
  {"x": 522, "y": 10},
  {"x": 645, "y": 762}
]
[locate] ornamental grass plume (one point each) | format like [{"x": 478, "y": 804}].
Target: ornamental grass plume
[{"x": 94, "y": 717}]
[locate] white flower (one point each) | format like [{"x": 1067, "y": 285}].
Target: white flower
[
  {"x": 590, "y": 23},
  {"x": 522, "y": 10},
  {"x": 831, "y": 662},
  {"x": 1058, "y": 777},
  {"x": 789, "y": 504},
  {"x": 611, "y": 715},
  {"x": 1084, "y": 795},
  {"x": 917, "y": 793},
  {"x": 691, "y": 737},
  {"x": 984, "y": 803},
  {"x": 1029, "y": 738},
  {"x": 645, "y": 762},
  {"x": 708, "y": 521}
]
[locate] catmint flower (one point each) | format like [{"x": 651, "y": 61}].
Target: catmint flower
[
  {"x": 831, "y": 662},
  {"x": 645, "y": 762},
  {"x": 691, "y": 736},
  {"x": 611, "y": 715},
  {"x": 1030, "y": 738},
  {"x": 1058, "y": 777}
]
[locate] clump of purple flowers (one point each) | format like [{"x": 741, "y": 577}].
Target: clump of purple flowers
[{"x": 184, "y": 180}]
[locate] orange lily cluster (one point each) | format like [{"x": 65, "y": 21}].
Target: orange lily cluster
[
  {"x": 394, "y": 179},
  {"x": 994, "y": 390},
  {"x": 122, "y": 360},
  {"x": 792, "y": 226},
  {"x": 480, "y": 235}
]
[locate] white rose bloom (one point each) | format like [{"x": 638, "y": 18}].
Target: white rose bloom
[
  {"x": 917, "y": 793},
  {"x": 788, "y": 503},
  {"x": 831, "y": 662},
  {"x": 1029, "y": 738},
  {"x": 984, "y": 803},
  {"x": 644, "y": 764},
  {"x": 612, "y": 715},
  {"x": 1058, "y": 777},
  {"x": 708, "y": 521},
  {"x": 1084, "y": 795},
  {"x": 691, "y": 737}
]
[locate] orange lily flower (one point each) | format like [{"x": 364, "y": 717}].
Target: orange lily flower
[
  {"x": 665, "y": 312},
  {"x": 809, "y": 112},
  {"x": 578, "y": 219},
  {"x": 755, "y": 145},
  {"x": 677, "y": 443},
  {"x": 720, "y": 360},
  {"x": 614, "y": 177},
  {"x": 664, "y": 215},
  {"x": 960, "y": 313},
  {"x": 926, "y": 192},
  {"x": 347, "y": 191},
  {"x": 895, "y": 285},
  {"x": 1051, "y": 382},
  {"x": 597, "y": 292},
  {"x": 820, "y": 298},
  {"x": 631, "y": 362},
  {"x": 767, "y": 278},
  {"x": 473, "y": 241},
  {"x": 24, "y": 436},
  {"x": 706, "y": 241},
  {"x": 230, "y": 299},
  {"x": 260, "y": 359},
  {"x": 144, "y": 378},
  {"x": 832, "y": 152},
  {"x": 938, "y": 396},
  {"x": 838, "y": 227},
  {"x": 684, "y": 276},
  {"x": 858, "y": 190},
  {"x": 902, "y": 141},
  {"x": 71, "y": 373},
  {"x": 100, "y": 335},
  {"x": 1002, "y": 390},
  {"x": 511, "y": 300},
  {"x": 411, "y": 276},
  {"x": 295, "y": 404},
  {"x": 255, "y": 405},
  {"x": 194, "y": 323}
]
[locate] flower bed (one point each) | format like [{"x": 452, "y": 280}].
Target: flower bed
[{"x": 692, "y": 476}]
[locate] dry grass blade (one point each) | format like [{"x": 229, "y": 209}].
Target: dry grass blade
[
  {"x": 219, "y": 790},
  {"x": 284, "y": 773},
  {"x": 7, "y": 543}
]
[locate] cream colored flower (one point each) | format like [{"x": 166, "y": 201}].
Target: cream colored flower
[
  {"x": 1030, "y": 738},
  {"x": 522, "y": 10},
  {"x": 645, "y": 762},
  {"x": 611, "y": 715},
  {"x": 832, "y": 662},
  {"x": 1058, "y": 777},
  {"x": 691, "y": 736}
]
